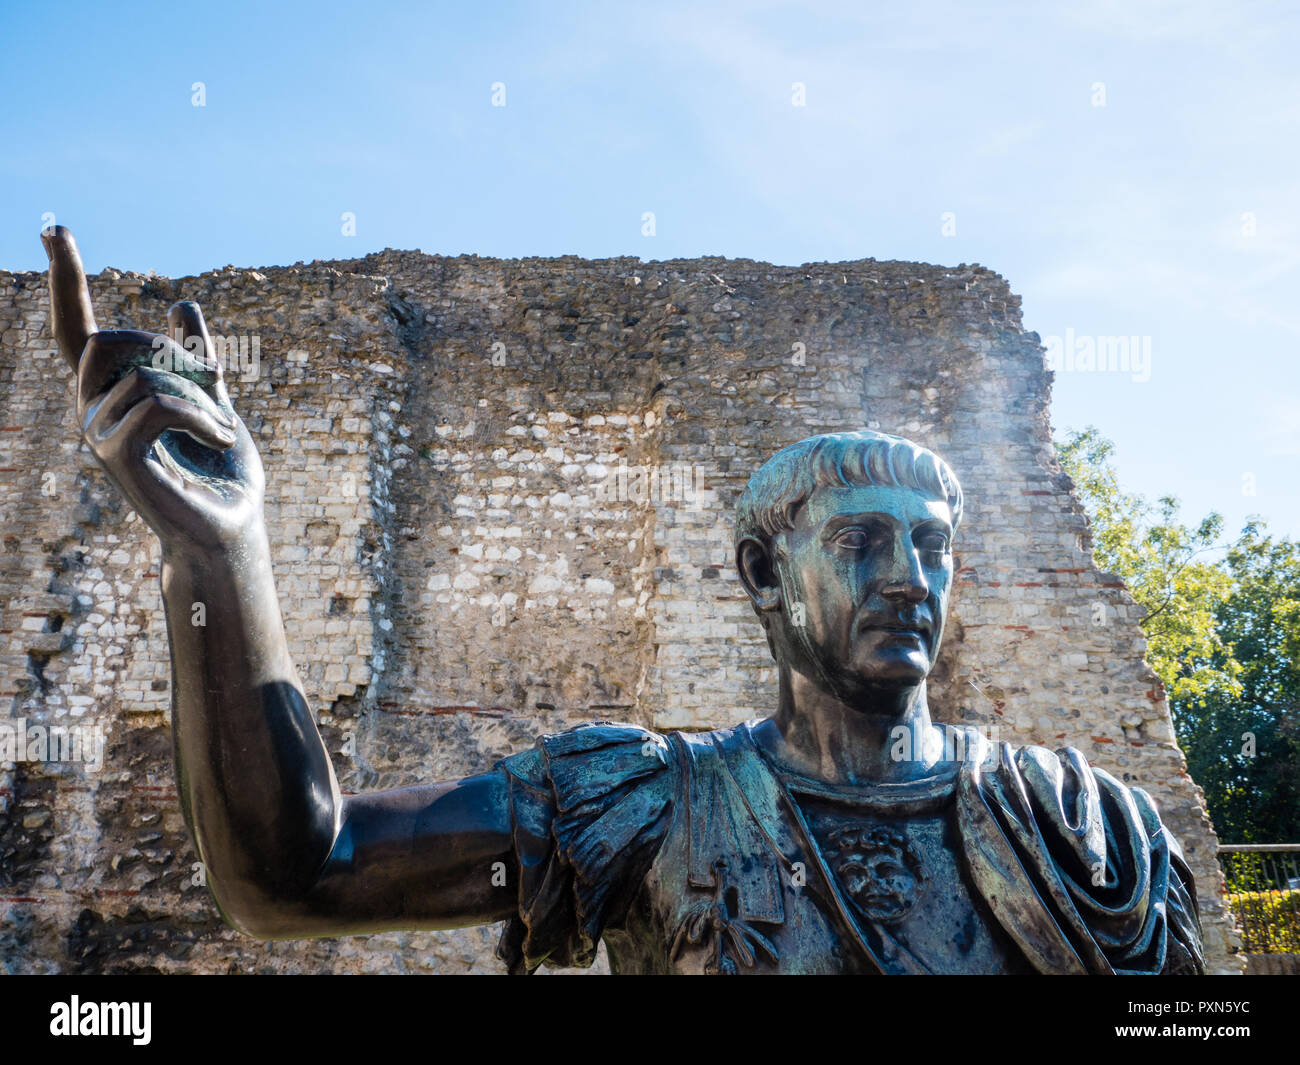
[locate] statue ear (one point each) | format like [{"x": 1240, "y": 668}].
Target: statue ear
[{"x": 757, "y": 574}]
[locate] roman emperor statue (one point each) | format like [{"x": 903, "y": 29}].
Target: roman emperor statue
[{"x": 846, "y": 833}]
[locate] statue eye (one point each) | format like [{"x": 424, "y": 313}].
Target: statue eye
[
  {"x": 935, "y": 543},
  {"x": 853, "y": 539}
]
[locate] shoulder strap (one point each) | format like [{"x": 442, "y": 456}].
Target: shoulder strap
[{"x": 722, "y": 825}]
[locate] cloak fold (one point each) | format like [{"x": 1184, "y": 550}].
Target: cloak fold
[{"x": 1076, "y": 866}]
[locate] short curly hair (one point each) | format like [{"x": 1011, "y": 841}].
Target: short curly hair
[{"x": 783, "y": 484}]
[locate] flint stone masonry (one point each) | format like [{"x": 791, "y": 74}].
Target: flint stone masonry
[{"x": 500, "y": 498}]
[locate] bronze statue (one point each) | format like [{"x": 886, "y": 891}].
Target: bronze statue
[{"x": 845, "y": 834}]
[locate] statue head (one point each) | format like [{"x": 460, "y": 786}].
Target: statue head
[{"x": 844, "y": 544}]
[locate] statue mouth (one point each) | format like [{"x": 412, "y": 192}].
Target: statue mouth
[
  {"x": 900, "y": 630},
  {"x": 893, "y": 633}
]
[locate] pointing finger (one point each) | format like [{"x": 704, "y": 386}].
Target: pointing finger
[{"x": 71, "y": 316}]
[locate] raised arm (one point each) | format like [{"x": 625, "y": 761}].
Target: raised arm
[{"x": 286, "y": 855}]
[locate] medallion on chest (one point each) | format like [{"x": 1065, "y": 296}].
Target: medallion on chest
[{"x": 878, "y": 867}]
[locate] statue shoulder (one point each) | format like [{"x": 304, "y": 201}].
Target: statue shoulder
[
  {"x": 593, "y": 760},
  {"x": 590, "y": 809}
]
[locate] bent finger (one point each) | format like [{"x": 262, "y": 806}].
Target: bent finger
[
  {"x": 141, "y": 426},
  {"x": 143, "y": 382},
  {"x": 112, "y": 354}
]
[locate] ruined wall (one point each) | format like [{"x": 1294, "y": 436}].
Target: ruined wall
[{"x": 441, "y": 438}]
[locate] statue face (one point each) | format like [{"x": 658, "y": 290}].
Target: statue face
[{"x": 873, "y": 566}]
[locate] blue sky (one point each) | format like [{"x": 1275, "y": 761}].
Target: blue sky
[{"x": 1131, "y": 167}]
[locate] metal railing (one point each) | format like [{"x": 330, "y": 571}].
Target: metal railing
[{"x": 1264, "y": 893}]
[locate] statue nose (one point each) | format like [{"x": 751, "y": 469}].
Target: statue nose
[
  {"x": 908, "y": 592},
  {"x": 906, "y": 578}
]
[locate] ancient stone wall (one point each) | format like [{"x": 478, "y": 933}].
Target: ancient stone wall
[{"x": 500, "y": 498}]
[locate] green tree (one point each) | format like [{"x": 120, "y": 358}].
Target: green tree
[
  {"x": 1244, "y": 750},
  {"x": 1166, "y": 565},
  {"x": 1223, "y": 630}
]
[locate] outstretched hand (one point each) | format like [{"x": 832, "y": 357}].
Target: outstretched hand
[{"x": 155, "y": 412}]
